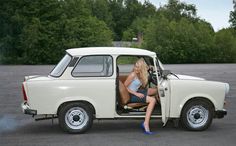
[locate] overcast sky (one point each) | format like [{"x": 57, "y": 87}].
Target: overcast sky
[{"x": 214, "y": 11}]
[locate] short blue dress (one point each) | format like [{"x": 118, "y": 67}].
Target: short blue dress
[{"x": 134, "y": 86}]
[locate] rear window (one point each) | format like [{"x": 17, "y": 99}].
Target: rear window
[{"x": 61, "y": 66}]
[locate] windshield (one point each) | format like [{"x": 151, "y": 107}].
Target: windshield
[
  {"x": 61, "y": 66},
  {"x": 160, "y": 68},
  {"x": 160, "y": 64}
]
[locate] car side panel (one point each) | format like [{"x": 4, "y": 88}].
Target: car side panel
[
  {"x": 46, "y": 96},
  {"x": 184, "y": 90}
]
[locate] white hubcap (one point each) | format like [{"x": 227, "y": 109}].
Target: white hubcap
[
  {"x": 76, "y": 118},
  {"x": 197, "y": 116}
]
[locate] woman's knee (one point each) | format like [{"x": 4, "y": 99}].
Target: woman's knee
[{"x": 151, "y": 99}]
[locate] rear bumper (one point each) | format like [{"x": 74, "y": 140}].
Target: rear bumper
[
  {"x": 26, "y": 109},
  {"x": 220, "y": 113}
]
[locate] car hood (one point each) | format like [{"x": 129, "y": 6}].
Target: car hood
[{"x": 185, "y": 77}]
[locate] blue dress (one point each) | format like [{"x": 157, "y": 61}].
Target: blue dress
[{"x": 134, "y": 86}]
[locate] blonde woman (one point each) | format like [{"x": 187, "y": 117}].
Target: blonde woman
[{"x": 136, "y": 84}]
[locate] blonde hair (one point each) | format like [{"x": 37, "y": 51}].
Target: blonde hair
[{"x": 143, "y": 74}]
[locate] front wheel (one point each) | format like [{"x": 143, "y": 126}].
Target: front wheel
[
  {"x": 197, "y": 115},
  {"x": 75, "y": 118}
]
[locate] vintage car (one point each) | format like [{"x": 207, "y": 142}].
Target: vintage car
[{"x": 87, "y": 84}]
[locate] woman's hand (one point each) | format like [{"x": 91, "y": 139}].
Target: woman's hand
[{"x": 140, "y": 95}]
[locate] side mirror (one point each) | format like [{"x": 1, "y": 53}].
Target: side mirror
[{"x": 165, "y": 73}]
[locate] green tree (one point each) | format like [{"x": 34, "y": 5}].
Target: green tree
[
  {"x": 133, "y": 9},
  {"x": 38, "y": 32},
  {"x": 118, "y": 11},
  {"x": 124, "y": 12},
  {"x": 148, "y": 9},
  {"x": 175, "y": 10},
  {"x": 179, "y": 41},
  {"x": 232, "y": 19},
  {"x": 225, "y": 46},
  {"x": 101, "y": 10},
  {"x": 30, "y": 22},
  {"x": 138, "y": 26},
  {"x": 11, "y": 25},
  {"x": 86, "y": 32}
]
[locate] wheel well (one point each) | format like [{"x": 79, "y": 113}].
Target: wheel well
[
  {"x": 198, "y": 98},
  {"x": 80, "y": 101}
]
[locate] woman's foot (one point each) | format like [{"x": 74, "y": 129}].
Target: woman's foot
[{"x": 146, "y": 129}]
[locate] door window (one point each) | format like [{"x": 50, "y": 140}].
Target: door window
[{"x": 94, "y": 66}]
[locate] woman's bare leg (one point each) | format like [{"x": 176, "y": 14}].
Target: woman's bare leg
[
  {"x": 151, "y": 104},
  {"x": 152, "y": 91}
]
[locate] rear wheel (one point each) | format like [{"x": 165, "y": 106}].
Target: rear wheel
[
  {"x": 75, "y": 117},
  {"x": 197, "y": 115}
]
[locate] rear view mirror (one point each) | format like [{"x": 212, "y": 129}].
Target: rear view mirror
[{"x": 165, "y": 73}]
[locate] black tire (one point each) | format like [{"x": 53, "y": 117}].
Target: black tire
[
  {"x": 197, "y": 115},
  {"x": 75, "y": 117}
]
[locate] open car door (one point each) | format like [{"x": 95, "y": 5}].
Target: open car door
[{"x": 164, "y": 95}]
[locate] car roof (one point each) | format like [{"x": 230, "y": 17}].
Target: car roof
[{"x": 109, "y": 51}]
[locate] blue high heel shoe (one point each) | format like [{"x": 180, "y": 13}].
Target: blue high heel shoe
[{"x": 146, "y": 132}]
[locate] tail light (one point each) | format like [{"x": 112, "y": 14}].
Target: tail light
[{"x": 24, "y": 94}]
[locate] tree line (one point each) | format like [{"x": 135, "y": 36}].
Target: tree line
[{"x": 38, "y": 32}]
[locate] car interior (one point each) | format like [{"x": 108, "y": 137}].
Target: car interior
[{"x": 124, "y": 106}]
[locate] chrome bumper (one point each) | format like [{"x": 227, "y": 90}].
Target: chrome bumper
[
  {"x": 220, "y": 113},
  {"x": 26, "y": 109}
]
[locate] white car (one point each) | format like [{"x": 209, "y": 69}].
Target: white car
[{"x": 87, "y": 84}]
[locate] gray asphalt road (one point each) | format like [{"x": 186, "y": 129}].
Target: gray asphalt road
[{"x": 17, "y": 129}]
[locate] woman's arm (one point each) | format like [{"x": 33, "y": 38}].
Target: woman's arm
[{"x": 129, "y": 79}]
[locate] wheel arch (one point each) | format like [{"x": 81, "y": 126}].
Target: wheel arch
[
  {"x": 91, "y": 106},
  {"x": 197, "y": 98}
]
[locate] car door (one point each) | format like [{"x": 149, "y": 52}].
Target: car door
[
  {"x": 164, "y": 93},
  {"x": 96, "y": 82}
]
